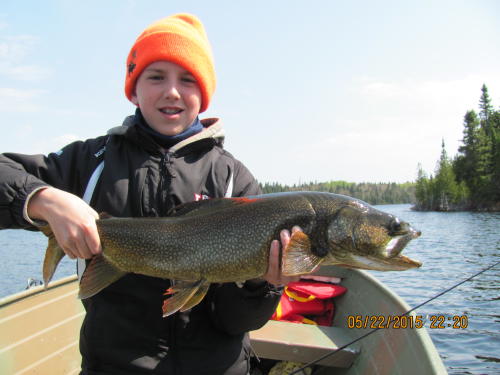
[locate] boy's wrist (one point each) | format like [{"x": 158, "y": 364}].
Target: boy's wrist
[{"x": 32, "y": 210}]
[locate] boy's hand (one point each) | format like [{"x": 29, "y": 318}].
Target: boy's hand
[
  {"x": 70, "y": 218},
  {"x": 273, "y": 274}
]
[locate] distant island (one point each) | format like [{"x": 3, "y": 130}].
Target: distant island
[
  {"x": 373, "y": 193},
  {"x": 471, "y": 180}
]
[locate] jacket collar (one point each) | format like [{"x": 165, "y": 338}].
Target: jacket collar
[{"x": 213, "y": 131}]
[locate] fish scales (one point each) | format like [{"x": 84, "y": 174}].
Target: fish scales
[
  {"x": 228, "y": 239},
  {"x": 207, "y": 251}
]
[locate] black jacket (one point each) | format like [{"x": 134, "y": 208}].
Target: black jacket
[{"x": 123, "y": 331}]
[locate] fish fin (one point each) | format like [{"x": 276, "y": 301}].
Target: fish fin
[
  {"x": 105, "y": 215},
  {"x": 98, "y": 275},
  {"x": 185, "y": 294},
  {"x": 53, "y": 255},
  {"x": 298, "y": 258},
  {"x": 196, "y": 297},
  {"x": 210, "y": 205}
]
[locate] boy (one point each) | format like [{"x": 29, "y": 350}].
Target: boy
[{"x": 161, "y": 157}]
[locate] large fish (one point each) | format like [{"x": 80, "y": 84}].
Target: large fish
[{"x": 228, "y": 239}]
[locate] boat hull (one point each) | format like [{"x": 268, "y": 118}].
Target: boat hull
[{"x": 40, "y": 331}]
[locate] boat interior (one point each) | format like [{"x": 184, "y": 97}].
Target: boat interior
[{"x": 40, "y": 330}]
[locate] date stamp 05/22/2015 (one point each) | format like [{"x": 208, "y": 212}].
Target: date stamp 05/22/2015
[{"x": 431, "y": 321}]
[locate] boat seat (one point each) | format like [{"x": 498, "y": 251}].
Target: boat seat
[{"x": 303, "y": 343}]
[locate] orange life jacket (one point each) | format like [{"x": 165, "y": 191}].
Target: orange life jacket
[{"x": 308, "y": 302}]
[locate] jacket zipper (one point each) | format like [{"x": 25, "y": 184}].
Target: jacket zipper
[
  {"x": 167, "y": 157},
  {"x": 166, "y": 172}
]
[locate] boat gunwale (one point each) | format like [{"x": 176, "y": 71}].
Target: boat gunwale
[
  {"x": 434, "y": 362},
  {"x": 19, "y": 296}
]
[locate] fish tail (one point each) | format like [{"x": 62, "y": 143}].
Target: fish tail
[{"x": 53, "y": 255}]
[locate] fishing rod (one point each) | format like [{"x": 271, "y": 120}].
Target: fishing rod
[{"x": 301, "y": 370}]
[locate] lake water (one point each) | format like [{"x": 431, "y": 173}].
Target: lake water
[{"x": 453, "y": 247}]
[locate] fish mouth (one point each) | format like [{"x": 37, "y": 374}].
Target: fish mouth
[
  {"x": 411, "y": 263},
  {"x": 396, "y": 245}
]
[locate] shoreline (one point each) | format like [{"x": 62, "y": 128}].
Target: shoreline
[{"x": 458, "y": 208}]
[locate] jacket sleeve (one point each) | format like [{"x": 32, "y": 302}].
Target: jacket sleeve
[
  {"x": 21, "y": 175},
  {"x": 237, "y": 308}
]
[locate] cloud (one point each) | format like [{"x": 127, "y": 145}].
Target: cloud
[
  {"x": 55, "y": 144},
  {"x": 383, "y": 132},
  {"x": 367, "y": 155},
  {"x": 13, "y": 52},
  {"x": 27, "y": 72},
  {"x": 14, "y": 100},
  {"x": 427, "y": 97},
  {"x": 19, "y": 94},
  {"x": 16, "y": 48},
  {"x": 26, "y": 142},
  {"x": 38, "y": 145},
  {"x": 19, "y": 100},
  {"x": 26, "y": 139},
  {"x": 424, "y": 107},
  {"x": 396, "y": 125},
  {"x": 381, "y": 89}
]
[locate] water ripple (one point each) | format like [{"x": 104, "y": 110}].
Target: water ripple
[{"x": 453, "y": 247}]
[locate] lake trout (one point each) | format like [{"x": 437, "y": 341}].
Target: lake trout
[{"x": 228, "y": 240}]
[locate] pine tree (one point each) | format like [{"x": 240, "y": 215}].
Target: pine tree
[
  {"x": 484, "y": 165},
  {"x": 466, "y": 164},
  {"x": 445, "y": 185},
  {"x": 495, "y": 178},
  {"x": 472, "y": 179},
  {"x": 422, "y": 191},
  {"x": 486, "y": 147},
  {"x": 486, "y": 109}
]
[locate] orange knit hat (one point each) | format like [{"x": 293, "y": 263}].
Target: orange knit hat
[{"x": 180, "y": 39}]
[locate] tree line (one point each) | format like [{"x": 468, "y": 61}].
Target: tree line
[
  {"x": 373, "y": 193},
  {"x": 470, "y": 180}
]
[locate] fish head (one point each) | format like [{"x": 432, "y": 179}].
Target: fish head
[{"x": 360, "y": 236}]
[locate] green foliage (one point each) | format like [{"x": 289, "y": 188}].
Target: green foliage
[
  {"x": 486, "y": 109},
  {"x": 423, "y": 190},
  {"x": 373, "y": 193},
  {"x": 441, "y": 192},
  {"x": 472, "y": 179},
  {"x": 495, "y": 156}
]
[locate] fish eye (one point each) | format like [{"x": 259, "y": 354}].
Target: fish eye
[{"x": 395, "y": 226}]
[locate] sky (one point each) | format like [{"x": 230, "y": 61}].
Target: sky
[{"x": 361, "y": 91}]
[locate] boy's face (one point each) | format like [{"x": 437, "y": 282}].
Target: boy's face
[{"x": 168, "y": 97}]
